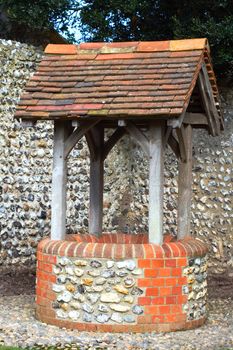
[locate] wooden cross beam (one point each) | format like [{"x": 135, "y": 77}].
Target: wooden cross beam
[{"x": 208, "y": 101}]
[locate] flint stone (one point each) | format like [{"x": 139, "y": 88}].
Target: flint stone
[
  {"x": 138, "y": 310},
  {"x": 129, "y": 299},
  {"x": 57, "y": 270},
  {"x": 200, "y": 278},
  {"x": 88, "y": 308},
  {"x": 129, "y": 282},
  {"x": 65, "y": 306},
  {"x": 128, "y": 264},
  {"x": 69, "y": 270},
  {"x": 87, "y": 317},
  {"x": 74, "y": 315},
  {"x": 129, "y": 318},
  {"x": 116, "y": 317},
  {"x": 66, "y": 297},
  {"x": 87, "y": 281},
  {"x": 93, "y": 273},
  {"x": 103, "y": 308},
  {"x": 58, "y": 288},
  {"x": 70, "y": 287},
  {"x": 191, "y": 262},
  {"x": 122, "y": 273},
  {"x": 100, "y": 281},
  {"x": 121, "y": 289},
  {"x": 81, "y": 289},
  {"x": 80, "y": 262},
  {"x": 94, "y": 289},
  {"x": 119, "y": 307},
  {"x": 62, "y": 279},
  {"x": 95, "y": 264},
  {"x": 61, "y": 314},
  {"x": 78, "y": 272},
  {"x": 136, "y": 291},
  {"x": 102, "y": 318},
  {"x": 93, "y": 298},
  {"x": 75, "y": 305},
  {"x": 108, "y": 273},
  {"x": 63, "y": 261},
  {"x": 137, "y": 272},
  {"x": 110, "y": 298},
  {"x": 109, "y": 264},
  {"x": 79, "y": 297}
]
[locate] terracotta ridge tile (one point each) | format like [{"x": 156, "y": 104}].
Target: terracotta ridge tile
[{"x": 67, "y": 49}]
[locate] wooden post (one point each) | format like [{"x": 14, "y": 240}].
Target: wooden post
[
  {"x": 96, "y": 183},
  {"x": 185, "y": 187},
  {"x": 156, "y": 179},
  {"x": 59, "y": 180}
]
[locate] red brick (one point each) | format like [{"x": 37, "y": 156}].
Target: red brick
[
  {"x": 171, "y": 300},
  {"x": 181, "y": 262},
  {"x": 182, "y": 299},
  {"x": 144, "y": 282},
  {"x": 152, "y": 292},
  {"x": 151, "y": 272},
  {"x": 176, "y": 272},
  {"x": 149, "y": 251},
  {"x": 177, "y": 290},
  {"x": 144, "y": 263},
  {"x": 151, "y": 310},
  {"x": 165, "y": 272},
  {"x": 155, "y": 263},
  {"x": 182, "y": 280},
  {"x": 170, "y": 262},
  {"x": 144, "y": 300},
  {"x": 176, "y": 309},
  {"x": 164, "y": 291},
  {"x": 172, "y": 281},
  {"x": 144, "y": 319},
  {"x": 164, "y": 309},
  {"x": 158, "y": 301},
  {"x": 157, "y": 282},
  {"x": 157, "y": 319},
  {"x": 45, "y": 266}
]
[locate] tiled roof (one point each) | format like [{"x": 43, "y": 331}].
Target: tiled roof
[{"x": 112, "y": 80}]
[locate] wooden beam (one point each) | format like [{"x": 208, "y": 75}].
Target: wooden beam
[
  {"x": 59, "y": 180},
  {"x": 182, "y": 142},
  {"x": 185, "y": 188},
  {"x": 96, "y": 183},
  {"x": 114, "y": 138},
  {"x": 210, "y": 96},
  {"x": 156, "y": 179},
  {"x": 90, "y": 144},
  {"x": 138, "y": 137},
  {"x": 195, "y": 119},
  {"x": 77, "y": 135},
  {"x": 173, "y": 143},
  {"x": 206, "y": 105}
]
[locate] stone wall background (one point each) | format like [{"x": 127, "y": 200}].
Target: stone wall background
[{"x": 25, "y": 178}]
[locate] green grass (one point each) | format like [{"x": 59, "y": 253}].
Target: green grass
[{"x": 2, "y": 347}]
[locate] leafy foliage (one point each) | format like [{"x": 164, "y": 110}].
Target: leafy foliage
[{"x": 120, "y": 20}]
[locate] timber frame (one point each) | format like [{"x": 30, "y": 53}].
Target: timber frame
[{"x": 86, "y": 101}]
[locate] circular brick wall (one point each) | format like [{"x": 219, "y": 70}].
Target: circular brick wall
[{"x": 121, "y": 283}]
